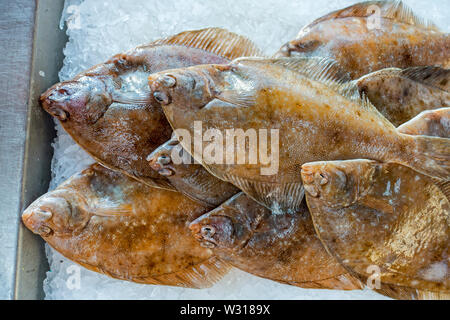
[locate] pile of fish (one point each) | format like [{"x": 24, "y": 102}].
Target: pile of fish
[{"x": 360, "y": 194}]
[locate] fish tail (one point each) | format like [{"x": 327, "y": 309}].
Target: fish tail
[{"x": 430, "y": 157}]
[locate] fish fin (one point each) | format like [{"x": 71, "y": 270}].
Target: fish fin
[
  {"x": 431, "y": 157},
  {"x": 284, "y": 197},
  {"x": 431, "y": 295},
  {"x": 341, "y": 282},
  {"x": 238, "y": 97},
  {"x": 161, "y": 183},
  {"x": 326, "y": 71},
  {"x": 407, "y": 293},
  {"x": 112, "y": 210},
  {"x": 215, "y": 40},
  {"x": 444, "y": 186},
  {"x": 321, "y": 69},
  {"x": 243, "y": 93},
  {"x": 397, "y": 292},
  {"x": 429, "y": 75},
  {"x": 198, "y": 276},
  {"x": 428, "y": 123},
  {"x": 131, "y": 97},
  {"x": 393, "y": 10}
]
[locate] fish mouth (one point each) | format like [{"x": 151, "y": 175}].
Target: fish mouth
[
  {"x": 53, "y": 101},
  {"x": 212, "y": 231},
  {"x": 80, "y": 100},
  {"x": 314, "y": 178},
  {"x": 204, "y": 234},
  {"x": 35, "y": 220}
]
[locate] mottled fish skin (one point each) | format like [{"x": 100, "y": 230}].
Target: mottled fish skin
[
  {"x": 188, "y": 177},
  {"x": 350, "y": 37},
  {"x": 109, "y": 111},
  {"x": 431, "y": 123},
  {"x": 400, "y": 97},
  {"x": 367, "y": 213},
  {"x": 280, "y": 247},
  {"x": 398, "y": 222},
  {"x": 316, "y": 120},
  {"x": 112, "y": 224}
]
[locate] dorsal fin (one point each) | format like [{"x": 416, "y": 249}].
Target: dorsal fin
[
  {"x": 316, "y": 68},
  {"x": 444, "y": 186},
  {"x": 429, "y": 75},
  {"x": 215, "y": 40},
  {"x": 321, "y": 69},
  {"x": 394, "y": 10},
  {"x": 326, "y": 71}
]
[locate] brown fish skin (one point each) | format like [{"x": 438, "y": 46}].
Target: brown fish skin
[
  {"x": 188, "y": 177},
  {"x": 360, "y": 186},
  {"x": 431, "y": 123},
  {"x": 267, "y": 94},
  {"x": 265, "y": 228},
  {"x": 401, "y": 41},
  {"x": 109, "y": 111},
  {"x": 112, "y": 224},
  {"x": 399, "y": 97},
  {"x": 282, "y": 247},
  {"x": 398, "y": 221}
]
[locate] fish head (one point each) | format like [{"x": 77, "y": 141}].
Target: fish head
[
  {"x": 55, "y": 213},
  {"x": 170, "y": 159},
  {"x": 372, "y": 84},
  {"x": 214, "y": 229},
  {"x": 338, "y": 183},
  {"x": 305, "y": 42},
  {"x": 84, "y": 100},
  {"x": 230, "y": 225},
  {"x": 185, "y": 90}
]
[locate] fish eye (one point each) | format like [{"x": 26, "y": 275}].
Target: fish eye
[
  {"x": 322, "y": 178},
  {"x": 45, "y": 231},
  {"x": 208, "y": 231},
  {"x": 161, "y": 97},
  {"x": 164, "y": 159}
]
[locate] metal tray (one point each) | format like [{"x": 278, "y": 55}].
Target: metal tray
[{"x": 47, "y": 58}]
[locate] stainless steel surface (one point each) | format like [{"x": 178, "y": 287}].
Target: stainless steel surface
[
  {"x": 16, "y": 34},
  {"x": 47, "y": 59},
  {"x": 25, "y": 135}
]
